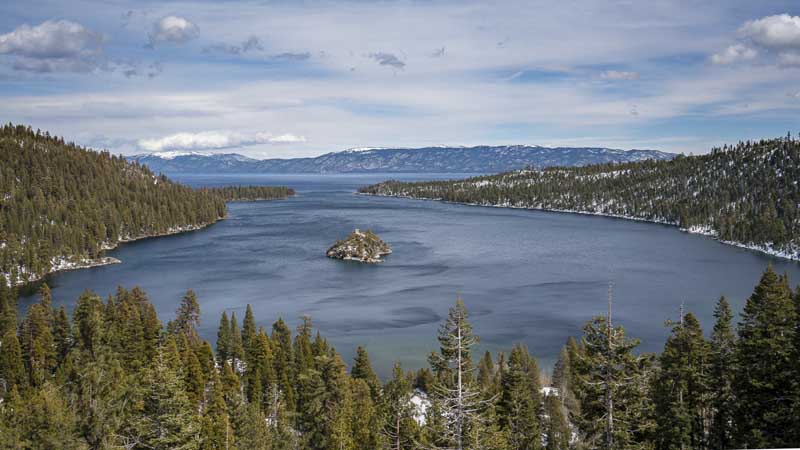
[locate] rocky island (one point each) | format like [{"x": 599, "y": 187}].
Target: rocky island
[{"x": 364, "y": 246}]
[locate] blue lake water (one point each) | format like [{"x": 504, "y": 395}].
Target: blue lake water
[{"x": 526, "y": 276}]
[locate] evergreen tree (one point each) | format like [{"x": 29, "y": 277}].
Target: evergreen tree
[
  {"x": 168, "y": 419},
  {"x": 520, "y": 402},
  {"x": 563, "y": 379},
  {"x": 612, "y": 388},
  {"x": 557, "y": 427},
  {"x": 362, "y": 370},
  {"x": 366, "y": 421},
  {"x": 682, "y": 388},
  {"x": 765, "y": 365},
  {"x": 12, "y": 370},
  {"x": 454, "y": 390},
  {"x": 224, "y": 338},
  {"x": 237, "y": 346},
  {"x": 721, "y": 373},
  {"x": 399, "y": 427},
  {"x": 187, "y": 319},
  {"x": 42, "y": 421},
  {"x": 36, "y": 339},
  {"x": 284, "y": 362}
]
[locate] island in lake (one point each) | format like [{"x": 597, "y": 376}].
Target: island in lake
[{"x": 364, "y": 246}]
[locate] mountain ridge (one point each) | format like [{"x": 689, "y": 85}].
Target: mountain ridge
[{"x": 452, "y": 159}]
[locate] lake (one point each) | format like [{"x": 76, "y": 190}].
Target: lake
[{"x": 526, "y": 276}]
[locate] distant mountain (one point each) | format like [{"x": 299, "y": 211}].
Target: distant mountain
[{"x": 481, "y": 159}]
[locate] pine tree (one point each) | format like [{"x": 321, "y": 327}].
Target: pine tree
[
  {"x": 612, "y": 388},
  {"x": 8, "y": 307},
  {"x": 284, "y": 362},
  {"x": 721, "y": 373},
  {"x": 187, "y": 319},
  {"x": 765, "y": 366},
  {"x": 362, "y": 370},
  {"x": 12, "y": 370},
  {"x": 168, "y": 420},
  {"x": 36, "y": 339},
  {"x": 399, "y": 427},
  {"x": 454, "y": 390},
  {"x": 249, "y": 336},
  {"x": 563, "y": 379},
  {"x": 682, "y": 388},
  {"x": 44, "y": 421},
  {"x": 520, "y": 402},
  {"x": 216, "y": 428},
  {"x": 557, "y": 427},
  {"x": 224, "y": 338},
  {"x": 365, "y": 423},
  {"x": 237, "y": 346}
]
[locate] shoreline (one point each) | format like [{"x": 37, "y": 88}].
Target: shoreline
[
  {"x": 63, "y": 263},
  {"x": 699, "y": 230}
]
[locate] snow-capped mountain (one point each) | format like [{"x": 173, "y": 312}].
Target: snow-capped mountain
[{"x": 481, "y": 159}]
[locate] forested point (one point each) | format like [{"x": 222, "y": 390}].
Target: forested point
[
  {"x": 251, "y": 193},
  {"x": 746, "y": 194},
  {"x": 113, "y": 377},
  {"x": 61, "y": 205}
]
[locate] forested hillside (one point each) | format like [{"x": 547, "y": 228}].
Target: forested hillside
[
  {"x": 113, "y": 377},
  {"x": 61, "y": 205},
  {"x": 252, "y": 193},
  {"x": 746, "y": 194}
]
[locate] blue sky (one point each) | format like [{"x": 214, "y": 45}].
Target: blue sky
[{"x": 301, "y": 78}]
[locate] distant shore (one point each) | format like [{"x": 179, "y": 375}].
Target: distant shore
[{"x": 793, "y": 255}]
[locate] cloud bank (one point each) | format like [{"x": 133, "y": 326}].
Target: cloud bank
[{"x": 211, "y": 140}]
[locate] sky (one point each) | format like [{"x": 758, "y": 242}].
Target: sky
[{"x": 277, "y": 79}]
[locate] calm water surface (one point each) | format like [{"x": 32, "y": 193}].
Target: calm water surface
[{"x": 526, "y": 276}]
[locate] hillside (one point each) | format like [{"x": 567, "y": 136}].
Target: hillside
[
  {"x": 482, "y": 159},
  {"x": 745, "y": 195},
  {"x": 61, "y": 205}
]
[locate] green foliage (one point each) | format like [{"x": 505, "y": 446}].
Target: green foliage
[
  {"x": 520, "y": 408},
  {"x": 251, "y": 193},
  {"x": 61, "y": 201},
  {"x": 766, "y": 368},
  {"x": 682, "y": 388},
  {"x": 721, "y": 377},
  {"x": 113, "y": 377}
]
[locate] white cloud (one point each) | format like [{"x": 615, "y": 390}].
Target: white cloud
[
  {"x": 789, "y": 58},
  {"x": 287, "y": 139},
  {"x": 619, "y": 75},
  {"x": 173, "y": 29},
  {"x": 208, "y": 140},
  {"x": 53, "y": 46},
  {"x": 780, "y": 31},
  {"x": 734, "y": 53}
]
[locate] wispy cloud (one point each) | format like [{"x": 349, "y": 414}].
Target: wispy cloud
[
  {"x": 251, "y": 44},
  {"x": 734, "y": 53},
  {"x": 290, "y": 56},
  {"x": 616, "y": 75},
  {"x": 388, "y": 59}
]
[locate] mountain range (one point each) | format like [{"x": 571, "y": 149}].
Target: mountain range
[{"x": 480, "y": 159}]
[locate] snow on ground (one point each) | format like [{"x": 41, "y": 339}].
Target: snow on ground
[{"x": 419, "y": 401}]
